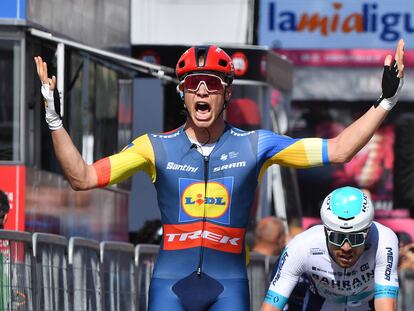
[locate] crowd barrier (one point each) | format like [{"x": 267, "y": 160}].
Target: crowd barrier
[
  {"x": 46, "y": 272},
  {"x": 406, "y": 292}
]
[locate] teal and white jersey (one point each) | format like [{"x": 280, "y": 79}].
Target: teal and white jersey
[{"x": 374, "y": 275}]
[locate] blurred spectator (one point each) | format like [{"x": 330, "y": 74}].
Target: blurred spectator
[
  {"x": 403, "y": 239},
  {"x": 406, "y": 260},
  {"x": 4, "y": 208},
  {"x": 270, "y": 236},
  {"x": 150, "y": 233}
]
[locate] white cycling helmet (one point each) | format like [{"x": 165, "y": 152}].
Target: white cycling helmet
[{"x": 347, "y": 209}]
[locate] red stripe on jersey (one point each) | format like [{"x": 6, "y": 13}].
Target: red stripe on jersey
[
  {"x": 183, "y": 236},
  {"x": 103, "y": 171}
]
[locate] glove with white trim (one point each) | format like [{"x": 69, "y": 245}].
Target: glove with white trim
[{"x": 391, "y": 86}]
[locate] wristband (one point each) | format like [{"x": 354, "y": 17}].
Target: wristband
[{"x": 52, "y": 117}]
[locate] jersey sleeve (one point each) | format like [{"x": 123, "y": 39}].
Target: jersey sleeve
[
  {"x": 386, "y": 275},
  {"x": 287, "y": 151},
  {"x": 137, "y": 156},
  {"x": 291, "y": 265}
]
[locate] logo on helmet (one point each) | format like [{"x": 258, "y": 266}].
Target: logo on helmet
[
  {"x": 365, "y": 203},
  {"x": 328, "y": 203}
]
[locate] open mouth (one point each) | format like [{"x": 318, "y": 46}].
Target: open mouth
[
  {"x": 345, "y": 257},
  {"x": 202, "y": 111},
  {"x": 202, "y": 107}
]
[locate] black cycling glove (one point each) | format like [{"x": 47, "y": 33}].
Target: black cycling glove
[{"x": 391, "y": 86}]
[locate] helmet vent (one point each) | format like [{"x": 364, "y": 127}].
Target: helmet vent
[
  {"x": 181, "y": 64},
  {"x": 342, "y": 218},
  {"x": 201, "y": 56},
  {"x": 223, "y": 62},
  {"x": 342, "y": 227}
]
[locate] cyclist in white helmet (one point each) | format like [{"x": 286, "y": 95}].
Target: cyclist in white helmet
[{"x": 351, "y": 261}]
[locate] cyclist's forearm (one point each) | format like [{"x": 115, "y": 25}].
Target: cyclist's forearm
[
  {"x": 80, "y": 175},
  {"x": 268, "y": 307},
  {"x": 344, "y": 146},
  {"x": 385, "y": 304}
]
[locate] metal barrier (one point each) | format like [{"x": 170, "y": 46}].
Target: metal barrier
[
  {"x": 145, "y": 257},
  {"x": 406, "y": 292},
  {"x": 85, "y": 268},
  {"x": 50, "y": 252},
  {"x": 117, "y": 260},
  {"x": 259, "y": 272},
  {"x": 16, "y": 271},
  {"x": 108, "y": 276}
]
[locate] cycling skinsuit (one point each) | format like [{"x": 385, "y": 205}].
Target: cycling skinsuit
[
  {"x": 374, "y": 275},
  {"x": 206, "y": 232}
]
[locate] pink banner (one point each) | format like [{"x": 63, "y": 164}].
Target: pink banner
[{"x": 358, "y": 57}]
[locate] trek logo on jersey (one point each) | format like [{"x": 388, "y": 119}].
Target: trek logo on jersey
[
  {"x": 230, "y": 155},
  {"x": 180, "y": 167},
  {"x": 183, "y": 236},
  {"x": 240, "y": 134},
  {"x": 215, "y": 206}
]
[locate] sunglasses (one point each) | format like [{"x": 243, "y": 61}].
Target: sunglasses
[
  {"x": 354, "y": 239},
  {"x": 192, "y": 83}
]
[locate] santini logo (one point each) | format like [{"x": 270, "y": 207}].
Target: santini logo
[
  {"x": 367, "y": 20},
  {"x": 179, "y": 167}
]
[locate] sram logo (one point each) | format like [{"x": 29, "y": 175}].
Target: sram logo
[
  {"x": 211, "y": 236},
  {"x": 229, "y": 166}
]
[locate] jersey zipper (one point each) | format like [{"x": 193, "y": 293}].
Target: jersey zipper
[{"x": 206, "y": 160}]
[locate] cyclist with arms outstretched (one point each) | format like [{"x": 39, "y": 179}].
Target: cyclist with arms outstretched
[
  {"x": 206, "y": 173},
  {"x": 350, "y": 261}
]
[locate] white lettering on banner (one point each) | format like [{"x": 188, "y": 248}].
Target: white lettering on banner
[
  {"x": 328, "y": 24},
  {"x": 198, "y": 234}
]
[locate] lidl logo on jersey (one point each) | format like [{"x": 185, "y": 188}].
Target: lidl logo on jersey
[
  {"x": 200, "y": 200},
  {"x": 203, "y": 234}
]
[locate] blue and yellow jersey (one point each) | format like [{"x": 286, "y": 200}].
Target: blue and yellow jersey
[{"x": 205, "y": 202}]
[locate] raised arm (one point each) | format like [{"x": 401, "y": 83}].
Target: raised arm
[
  {"x": 80, "y": 175},
  {"x": 344, "y": 146}
]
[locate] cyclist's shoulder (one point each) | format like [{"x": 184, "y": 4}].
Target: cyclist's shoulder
[
  {"x": 382, "y": 240},
  {"x": 381, "y": 231},
  {"x": 178, "y": 132},
  {"x": 238, "y": 132}
]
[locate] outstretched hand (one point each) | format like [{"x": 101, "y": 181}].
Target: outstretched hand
[
  {"x": 41, "y": 68},
  {"x": 50, "y": 95},
  {"x": 392, "y": 78}
]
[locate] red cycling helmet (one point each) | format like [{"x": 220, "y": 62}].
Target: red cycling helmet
[{"x": 205, "y": 58}]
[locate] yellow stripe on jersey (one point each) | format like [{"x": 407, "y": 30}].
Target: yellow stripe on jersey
[
  {"x": 138, "y": 156},
  {"x": 304, "y": 153}
]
